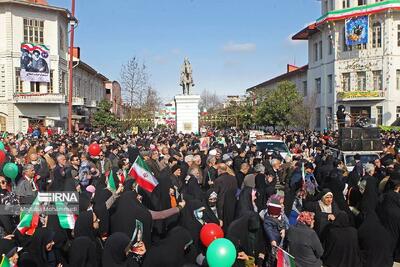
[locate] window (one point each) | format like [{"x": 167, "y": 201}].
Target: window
[
  {"x": 315, "y": 51},
  {"x": 317, "y": 117},
  {"x": 318, "y": 85},
  {"x": 320, "y": 49},
  {"x": 33, "y": 31},
  {"x": 398, "y": 35},
  {"x": 398, "y": 79},
  {"x": 330, "y": 45},
  {"x": 62, "y": 39},
  {"x": 361, "y": 81},
  {"x": 108, "y": 91},
  {"x": 50, "y": 84},
  {"x": 304, "y": 88},
  {"x": 398, "y": 112},
  {"x": 362, "y": 2},
  {"x": 376, "y": 35},
  {"x": 330, "y": 83},
  {"x": 379, "y": 115},
  {"x": 377, "y": 80},
  {"x": 346, "y": 81},
  {"x": 18, "y": 81},
  {"x": 330, "y": 112},
  {"x": 35, "y": 87},
  {"x": 346, "y": 3},
  {"x": 63, "y": 81}
]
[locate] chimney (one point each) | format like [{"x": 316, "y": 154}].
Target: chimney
[
  {"x": 291, "y": 68},
  {"x": 76, "y": 53},
  {"x": 39, "y": 2}
]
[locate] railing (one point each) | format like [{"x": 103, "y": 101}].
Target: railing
[
  {"x": 360, "y": 95},
  {"x": 40, "y": 98}
]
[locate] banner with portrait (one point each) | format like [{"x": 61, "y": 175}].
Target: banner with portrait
[
  {"x": 35, "y": 63},
  {"x": 357, "y": 30}
]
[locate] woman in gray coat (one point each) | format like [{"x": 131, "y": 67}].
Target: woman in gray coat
[{"x": 304, "y": 243}]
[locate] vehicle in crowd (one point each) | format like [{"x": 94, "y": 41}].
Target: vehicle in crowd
[
  {"x": 348, "y": 157},
  {"x": 272, "y": 144}
]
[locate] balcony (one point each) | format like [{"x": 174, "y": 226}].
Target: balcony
[
  {"x": 39, "y": 98},
  {"x": 78, "y": 101},
  {"x": 376, "y": 95}
]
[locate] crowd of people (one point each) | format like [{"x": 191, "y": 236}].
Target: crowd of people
[{"x": 306, "y": 203}]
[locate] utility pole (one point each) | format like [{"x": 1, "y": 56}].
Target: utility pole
[{"x": 71, "y": 58}]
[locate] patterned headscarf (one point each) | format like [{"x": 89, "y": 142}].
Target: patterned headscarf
[{"x": 306, "y": 217}]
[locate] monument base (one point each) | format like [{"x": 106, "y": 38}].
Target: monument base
[{"x": 187, "y": 113}]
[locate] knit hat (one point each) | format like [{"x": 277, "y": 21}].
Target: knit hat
[
  {"x": 174, "y": 168},
  {"x": 274, "y": 206}
]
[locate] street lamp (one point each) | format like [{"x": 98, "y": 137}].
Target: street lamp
[{"x": 71, "y": 58}]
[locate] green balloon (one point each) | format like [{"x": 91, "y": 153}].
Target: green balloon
[
  {"x": 1, "y": 146},
  {"x": 10, "y": 170},
  {"x": 221, "y": 253}
]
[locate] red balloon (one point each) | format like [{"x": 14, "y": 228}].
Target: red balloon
[
  {"x": 2, "y": 156},
  {"x": 94, "y": 150},
  {"x": 209, "y": 232}
]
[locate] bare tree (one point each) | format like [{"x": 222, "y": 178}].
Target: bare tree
[
  {"x": 152, "y": 100},
  {"x": 134, "y": 80},
  {"x": 302, "y": 113},
  {"x": 209, "y": 100}
]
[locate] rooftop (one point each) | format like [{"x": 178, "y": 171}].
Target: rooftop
[{"x": 291, "y": 71}]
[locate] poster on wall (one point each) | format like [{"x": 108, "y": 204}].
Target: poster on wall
[
  {"x": 357, "y": 30},
  {"x": 35, "y": 63}
]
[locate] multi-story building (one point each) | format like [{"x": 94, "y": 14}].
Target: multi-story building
[
  {"x": 294, "y": 74},
  {"x": 23, "y": 102},
  {"x": 113, "y": 94},
  {"x": 39, "y": 23},
  {"x": 88, "y": 90},
  {"x": 363, "y": 77}
]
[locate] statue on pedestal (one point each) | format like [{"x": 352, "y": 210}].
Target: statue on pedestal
[{"x": 186, "y": 77}]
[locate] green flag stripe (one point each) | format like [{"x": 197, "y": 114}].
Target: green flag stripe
[
  {"x": 111, "y": 182},
  {"x": 142, "y": 164},
  {"x": 26, "y": 218}
]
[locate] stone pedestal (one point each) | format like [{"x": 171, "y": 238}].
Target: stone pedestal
[{"x": 187, "y": 113}]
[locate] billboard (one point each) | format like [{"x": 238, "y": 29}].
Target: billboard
[
  {"x": 35, "y": 63},
  {"x": 357, "y": 30}
]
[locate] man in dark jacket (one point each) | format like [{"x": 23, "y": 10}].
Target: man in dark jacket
[{"x": 58, "y": 182}]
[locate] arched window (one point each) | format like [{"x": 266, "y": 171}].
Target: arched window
[{"x": 376, "y": 35}]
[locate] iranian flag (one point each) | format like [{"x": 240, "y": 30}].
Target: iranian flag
[
  {"x": 111, "y": 182},
  {"x": 5, "y": 261},
  {"x": 142, "y": 174},
  {"x": 284, "y": 259},
  {"x": 29, "y": 220},
  {"x": 65, "y": 216}
]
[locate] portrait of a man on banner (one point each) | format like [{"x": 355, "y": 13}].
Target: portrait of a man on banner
[
  {"x": 357, "y": 30},
  {"x": 35, "y": 63}
]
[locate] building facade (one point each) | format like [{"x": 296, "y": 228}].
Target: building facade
[
  {"x": 26, "y": 21},
  {"x": 365, "y": 78},
  {"x": 89, "y": 88},
  {"x": 113, "y": 94}
]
